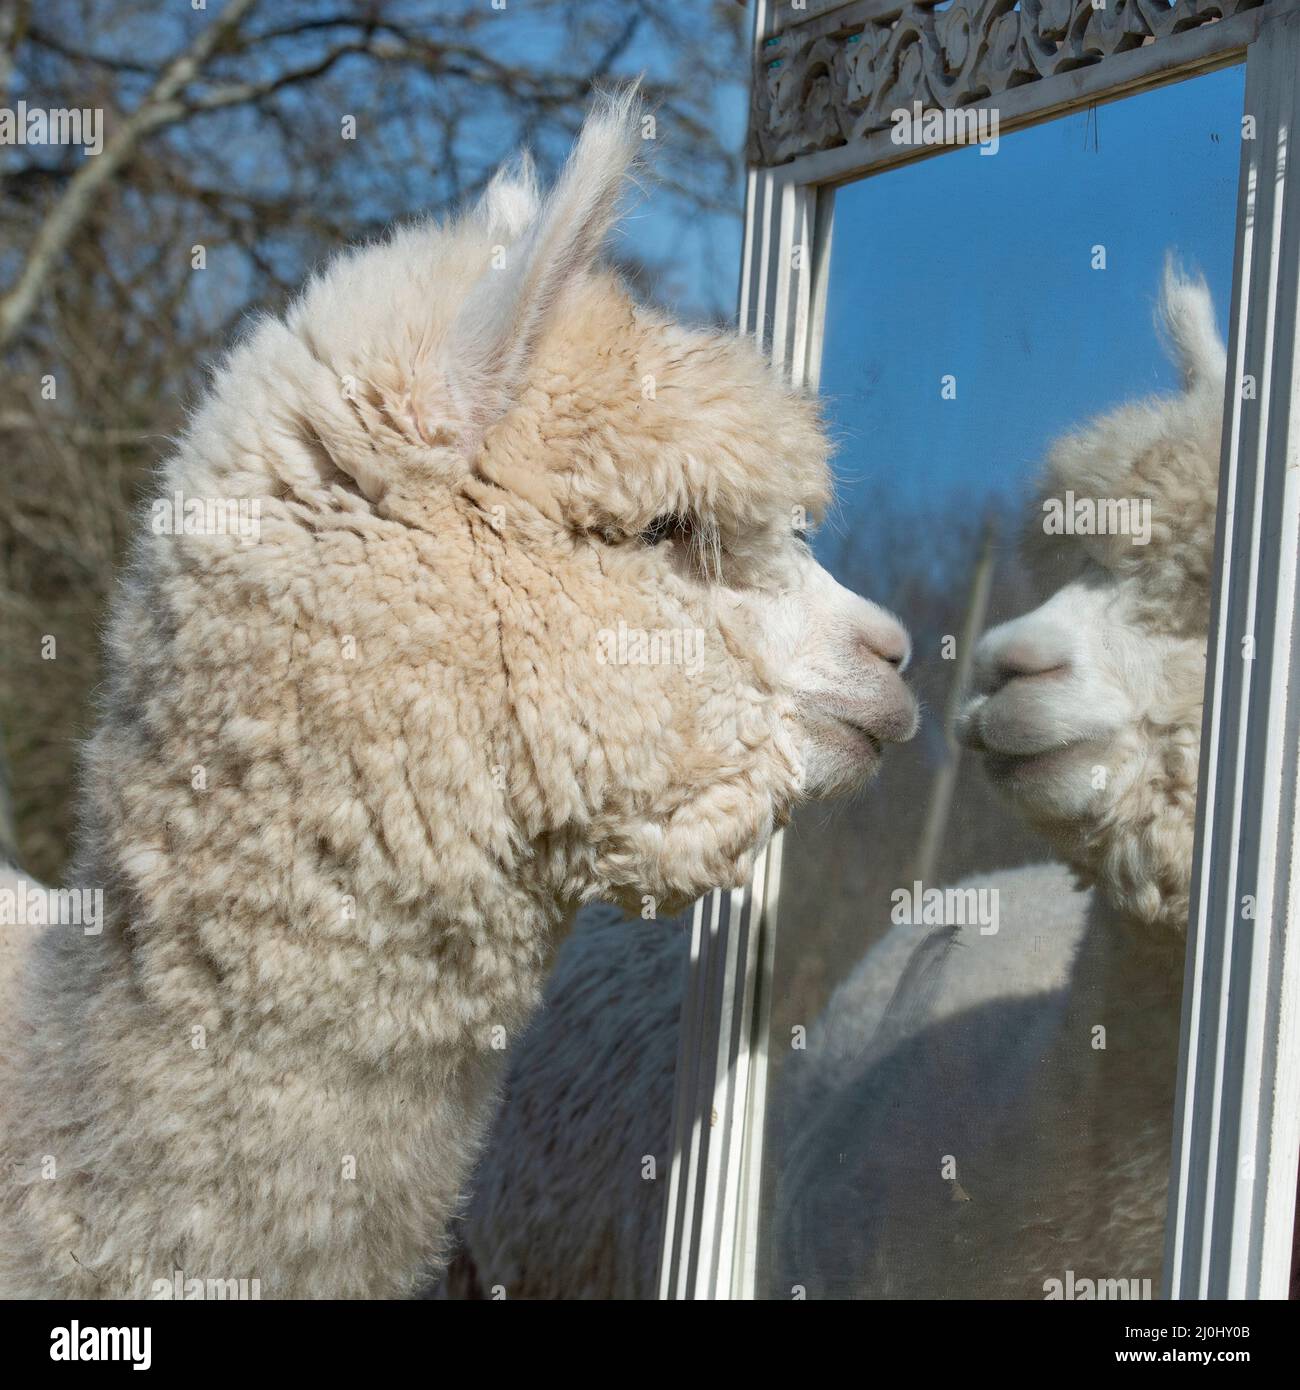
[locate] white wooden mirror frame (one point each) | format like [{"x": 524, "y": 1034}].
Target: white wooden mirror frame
[{"x": 826, "y": 75}]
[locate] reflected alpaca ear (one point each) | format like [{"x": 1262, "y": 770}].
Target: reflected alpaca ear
[
  {"x": 1186, "y": 317},
  {"x": 496, "y": 332}
]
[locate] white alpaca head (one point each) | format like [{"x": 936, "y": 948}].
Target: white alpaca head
[
  {"x": 586, "y": 522},
  {"x": 1087, "y": 709}
]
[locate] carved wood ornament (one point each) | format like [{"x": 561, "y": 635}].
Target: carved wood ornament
[{"x": 837, "y": 77}]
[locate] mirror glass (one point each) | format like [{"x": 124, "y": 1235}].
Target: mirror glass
[{"x": 979, "y": 967}]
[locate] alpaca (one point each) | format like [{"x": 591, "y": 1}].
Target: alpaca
[
  {"x": 1041, "y": 1144},
  {"x": 526, "y": 620},
  {"x": 952, "y": 1032}
]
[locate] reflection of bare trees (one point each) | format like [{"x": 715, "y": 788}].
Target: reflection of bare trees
[
  {"x": 225, "y": 176},
  {"x": 938, "y": 810}
]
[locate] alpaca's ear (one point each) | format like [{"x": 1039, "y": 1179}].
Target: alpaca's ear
[
  {"x": 510, "y": 202},
  {"x": 505, "y": 314},
  {"x": 1186, "y": 315}
]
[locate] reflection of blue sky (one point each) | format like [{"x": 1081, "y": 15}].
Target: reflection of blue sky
[{"x": 981, "y": 267}]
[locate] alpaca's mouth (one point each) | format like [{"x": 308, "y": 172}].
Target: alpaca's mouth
[
  {"x": 858, "y": 740},
  {"x": 1014, "y": 769},
  {"x": 860, "y": 735},
  {"x": 1013, "y": 743},
  {"x": 890, "y": 717},
  {"x": 1003, "y": 766}
]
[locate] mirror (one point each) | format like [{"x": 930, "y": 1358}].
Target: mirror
[{"x": 979, "y": 964}]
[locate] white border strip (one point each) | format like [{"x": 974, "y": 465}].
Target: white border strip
[{"x": 1237, "y": 1119}]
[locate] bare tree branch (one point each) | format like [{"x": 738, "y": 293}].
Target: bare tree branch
[{"x": 157, "y": 109}]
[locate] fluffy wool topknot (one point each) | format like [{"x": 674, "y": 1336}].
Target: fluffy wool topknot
[{"x": 1161, "y": 453}]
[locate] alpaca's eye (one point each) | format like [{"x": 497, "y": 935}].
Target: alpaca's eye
[
  {"x": 804, "y": 536},
  {"x": 672, "y": 526}
]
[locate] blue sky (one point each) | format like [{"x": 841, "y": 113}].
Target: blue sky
[{"x": 980, "y": 266}]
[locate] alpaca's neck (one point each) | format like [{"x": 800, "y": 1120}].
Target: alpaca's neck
[
  {"x": 1127, "y": 980},
  {"x": 242, "y": 1150},
  {"x": 1104, "y": 1134}
]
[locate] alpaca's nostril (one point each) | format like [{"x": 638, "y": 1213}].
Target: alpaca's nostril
[
  {"x": 1024, "y": 662},
  {"x": 891, "y": 647}
]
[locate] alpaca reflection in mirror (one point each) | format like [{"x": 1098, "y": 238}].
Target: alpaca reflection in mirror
[{"x": 1002, "y": 1126}]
